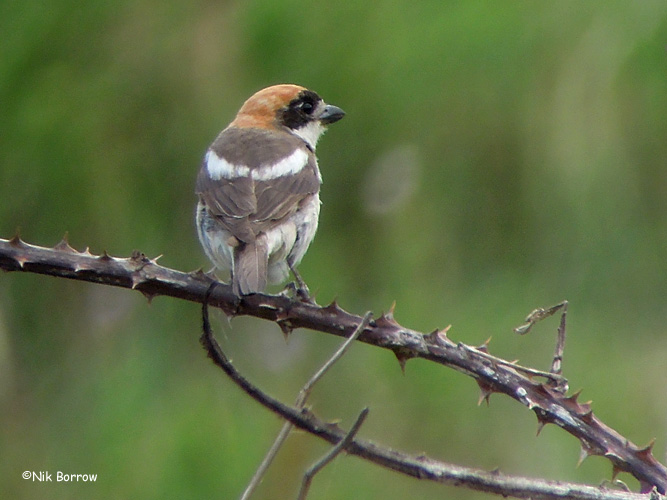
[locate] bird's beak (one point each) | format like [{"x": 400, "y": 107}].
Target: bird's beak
[{"x": 331, "y": 114}]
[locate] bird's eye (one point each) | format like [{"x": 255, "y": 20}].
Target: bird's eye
[{"x": 307, "y": 107}]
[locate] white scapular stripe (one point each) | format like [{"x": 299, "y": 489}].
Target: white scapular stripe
[
  {"x": 290, "y": 165},
  {"x": 219, "y": 168}
]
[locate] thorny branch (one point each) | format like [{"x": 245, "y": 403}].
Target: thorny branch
[
  {"x": 549, "y": 404},
  {"x": 420, "y": 467}
]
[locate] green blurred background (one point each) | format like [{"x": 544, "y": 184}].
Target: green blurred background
[{"x": 495, "y": 157}]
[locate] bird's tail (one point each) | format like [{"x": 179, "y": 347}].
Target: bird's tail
[{"x": 251, "y": 261}]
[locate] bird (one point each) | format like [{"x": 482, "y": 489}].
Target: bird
[{"x": 258, "y": 187}]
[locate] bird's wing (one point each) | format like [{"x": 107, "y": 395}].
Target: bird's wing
[{"x": 251, "y": 179}]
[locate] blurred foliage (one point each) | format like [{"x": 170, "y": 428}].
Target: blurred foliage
[{"x": 496, "y": 157}]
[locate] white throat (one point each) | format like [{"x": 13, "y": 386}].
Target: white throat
[{"x": 310, "y": 132}]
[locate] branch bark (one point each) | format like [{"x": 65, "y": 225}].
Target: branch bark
[{"x": 544, "y": 398}]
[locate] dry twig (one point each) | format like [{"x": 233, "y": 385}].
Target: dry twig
[
  {"x": 300, "y": 403},
  {"x": 333, "y": 453}
]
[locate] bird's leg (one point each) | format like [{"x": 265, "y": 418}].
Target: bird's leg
[{"x": 301, "y": 288}]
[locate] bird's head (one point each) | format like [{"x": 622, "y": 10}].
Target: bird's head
[{"x": 292, "y": 107}]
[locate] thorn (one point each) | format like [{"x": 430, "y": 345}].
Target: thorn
[
  {"x": 87, "y": 252},
  {"x": 312, "y": 297},
  {"x": 199, "y": 274},
  {"x": 105, "y": 256},
  {"x": 584, "y": 453},
  {"x": 205, "y": 275},
  {"x": 484, "y": 347},
  {"x": 402, "y": 355},
  {"x": 401, "y": 361},
  {"x": 333, "y": 308},
  {"x": 571, "y": 402},
  {"x": 546, "y": 390},
  {"x": 541, "y": 421},
  {"x": 154, "y": 261},
  {"x": 281, "y": 313},
  {"x": 542, "y": 389},
  {"x": 442, "y": 334},
  {"x": 432, "y": 337},
  {"x": 382, "y": 321},
  {"x": 646, "y": 454},
  {"x": 615, "y": 471},
  {"x": 64, "y": 246},
  {"x": 486, "y": 391},
  {"x": 137, "y": 280},
  {"x": 584, "y": 410},
  {"x": 286, "y": 328},
  {"x": 386, "y": 320},
  {"x": 336, "y": 307},
  {"x": 587, "y": 417},
  {"x": 149, "y": 296},
  {"x": 16, "y": 241},
  {"x": 78, "y": 267},
  {"x": 438, "y": 336}
]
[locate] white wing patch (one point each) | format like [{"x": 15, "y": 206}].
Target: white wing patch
[
  {"x": 290, "y": 165},
  {"x": 219, "y": 168}
]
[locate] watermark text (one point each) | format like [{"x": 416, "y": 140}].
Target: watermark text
[{"x": 44, "y": 476}]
